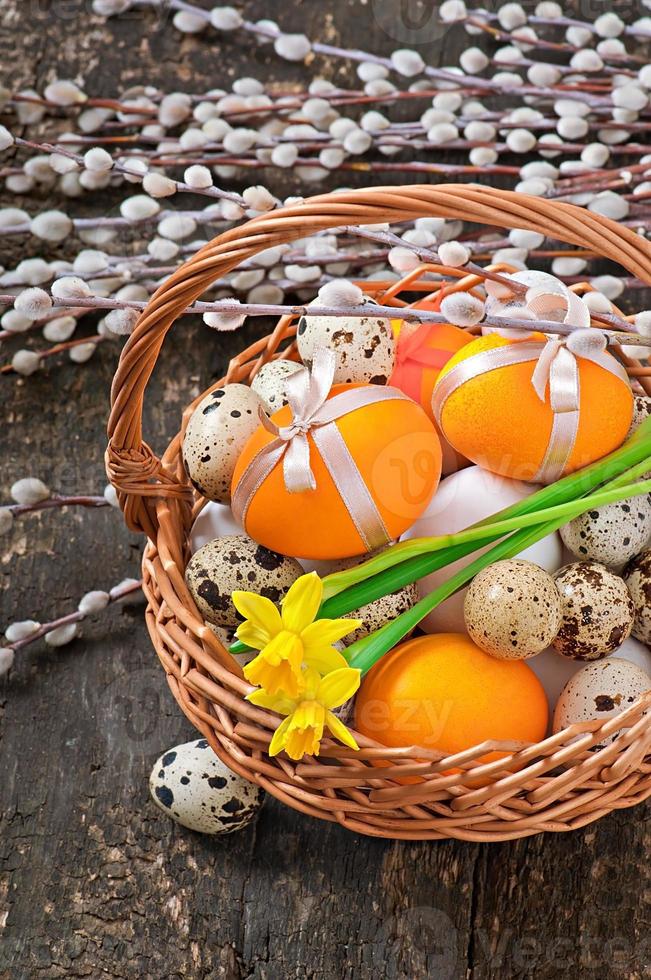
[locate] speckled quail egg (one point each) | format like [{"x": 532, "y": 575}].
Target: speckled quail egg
[
  {"x": 641, "y": 411},
  {"x": 600, "y": 691},
  {"x": 381, "y": 611},
  {"x": 512, "y": 609},
  {"x": 236, "y": 562},
  {"x": 611, "y": 534},
  {"x": 217, "y": 432},
  {"x": 364, "y": 346},
  {"x": 637, "y": 576},
  {"x": 597, "y": 611},
  {"x": 270, "y": 383},
  {"x": 192, "y": 785}
]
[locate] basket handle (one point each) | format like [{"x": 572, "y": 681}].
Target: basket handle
[{"x": 139, "y": 476}]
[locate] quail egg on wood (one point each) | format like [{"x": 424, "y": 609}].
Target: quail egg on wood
[
  {"x": 216, "y": 434},
  {"x": 270, "y": 383},
  {"x": 512, "y": 609},
  {"x": 597, "y": 611},
  {"x": 192, "y": 785},
  {"x": 612, "y": 534},
  {"x": 236, "y": 562},
  {"x": 637, "y": 576},
  {"x": 600, "y": 691},
  {"x": 364, "y": 346}
]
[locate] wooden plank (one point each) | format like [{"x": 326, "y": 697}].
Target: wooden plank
[{"x": 95, "y": 881}]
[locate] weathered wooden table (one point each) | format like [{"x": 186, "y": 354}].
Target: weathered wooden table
[{"x": 95, "y": 881}]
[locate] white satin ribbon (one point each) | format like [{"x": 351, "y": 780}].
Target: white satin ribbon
[
  {"x": 556, "y": 370},
  {"x": 314, "y": 414}
]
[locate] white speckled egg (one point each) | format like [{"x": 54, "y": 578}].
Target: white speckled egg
[
  {"x": 236, "y": 562},
  {"x": 270, "y": 383},
  {"x": 637, "y": 576},
  {"x": 365, "y": 346},
  {"x": 512, "y": 609},
  {"x": 641, "y": 411},
  {"x": 193, "y": 787},
  {"x": 381, "y": 611},
  {"x": 217, "y": 432},
  {"x": 597, "y": 611},
  {"x": 462, "y": 499},
  {"x": 612, "y": 534},
  {"x": 600, "y": 691}
]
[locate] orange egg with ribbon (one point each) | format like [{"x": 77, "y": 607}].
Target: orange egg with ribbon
[
  {"x": 420, "y": 355},
  {"x": 534, "y": 409},
  {"x": 337, "y": 472}
]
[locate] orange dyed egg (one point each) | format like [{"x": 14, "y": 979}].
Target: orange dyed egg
[
  {"x": 397, "y": 452},
  {"x": 442, "y": 692},
  {"x": 498, "y": 421}
]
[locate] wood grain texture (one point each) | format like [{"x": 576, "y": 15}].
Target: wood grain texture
[{"x": 94, "y": 881}]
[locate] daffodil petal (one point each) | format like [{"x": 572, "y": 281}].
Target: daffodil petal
[
  {"x": 276, "y": 678},
  {"x": 251, "y": 635},
  {"x": 278, "y": 739},
  {"x": 274, "y": 702},
  {"x": 301, "y": 604},
  {"x": 325, "y": 632},
  {"x": 259, "y": 611},
  {"x": 337, "y": 687},
  {"x": 325, "y": 659},
  {"x": 339, "y": 730}
]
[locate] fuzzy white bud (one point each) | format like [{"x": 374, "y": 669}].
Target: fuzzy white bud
[
  {"x": 188, "y": 23},
  {"x": 15, "y": 322},
  {"x": 29, "y": 490},
  {"x": 452, "y": 10},
  {"x": 368, "y": 71},
  {"x": 610, "y": 205},
  {"x": 240, "y": 140},
  {"x": 570, "y": 266},
  {"x": 51, "y": 226},
  {"x": 520, "y": 141},
  {"x": 511, "y": 15},
  {"x": 595, "y": 155},
  {"x": 82, "y": 353},
  {"x": 462, "y": 309},
  {"x": 98, "y": 160},
  {"x": 258, "y": 198},
  {"x": 21, "y": 630},
  {"x": 162, "y": 249},
  {"x": 357, "y": 142},
  {"x": 198, "y": 177},
  {"x": 453, "y": 254},
  {"x": 61, "y": 635},
  {"x": 224, "y": 321},
  {"x": 630, "y": 97},
  {"x": 473, "y": 60},
  {"x": 6, "y": 660},
  {"x": 610, "y": 286},
  {"x": 521, "y": 238},
  {"x": 25, "y": 362},
  {"x": 121, "y": 322},
  {"x": 609, "y": 25},
  {"x": 407, "y": 62},
  {"x": 60, "y": 329},
  {"x": 177, "y": 227},
  {"x": 543, "y": 75},
  {"x": 70, "y": 287},
  {"x": 33, "y": 303},
  {"x": 6, "y": 520},
  {"x": 6, "y": 139},
  {"x": 442, "y": 133},
  {"x": 403, "y": 259},
  {"x": 139, "y": 207},
  {"x": 586, "y": 60},
  {"x": 597, "y": 302},
  {"x": 225, "y": 18},
  {"x": 64, "y": 93},
  {"x": 174, "y": 109},
  {"x": 93, "y": 602},
  {"x": 292, "y": 47},
  {"x": 158, "y": 185},
  {"x": 340, "y": 292},
  {"x": 572, "y": 127},
  {"x": 110, "y": 495}
]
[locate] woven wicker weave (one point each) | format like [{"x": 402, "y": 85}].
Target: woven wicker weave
[{"x": 558, "y": 785}]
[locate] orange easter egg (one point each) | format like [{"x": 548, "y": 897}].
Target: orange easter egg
[
  {"x": 397, "y": 453},
  {"x": 499, "y": 422},
  {"x": 442, "y": 692}
]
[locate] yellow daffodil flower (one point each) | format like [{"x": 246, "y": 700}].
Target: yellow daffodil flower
[
  {"x": 290, "y": 639},
  {"x": 307, "y": 715}
]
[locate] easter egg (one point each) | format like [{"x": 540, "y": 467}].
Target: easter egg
[
  {"x": 597, "y": 611},
  {"x": 637, "y": 576},
  {"x": 270, "y": 383},
  {"x": 217, "y": 432},
  {"x": 612, "y": 534},
  {"x": 190, "y": 784},
  {"x": 442, "y": 692},
  {"x": 420, "y": 355},
  {"x": 364, "y": 345},
  {"x": 396, "y": 451},
  {"x": 461, "y": 500},
  {"x": 233, "y": 562},
  {"x": 498, "y": 420},
  {"x": 600, "y": 691}
]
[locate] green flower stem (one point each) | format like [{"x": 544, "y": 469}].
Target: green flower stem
[
  {"x": 634, "y": 453},
  {"x": 364, "y": 653},
  {"x": 449, "y": 548}
]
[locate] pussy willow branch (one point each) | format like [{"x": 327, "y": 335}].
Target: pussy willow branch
[{"x": 58, "y": 500}]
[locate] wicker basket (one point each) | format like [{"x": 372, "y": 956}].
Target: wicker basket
[{"x": 560, "y": 784}]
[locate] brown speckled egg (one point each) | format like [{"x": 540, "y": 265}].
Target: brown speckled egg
[
  {"x": 641, "y": 411},
  {"x": 637, "y": 576},
  {"x": 512, "y": 609},
  {"x": 597, "y": 611},
  {"x": 270, "y": 383},
  {"x": 190, "y": 784},
  {"x": 600, "y": 691},
  {"x": 611, "y": 534},
  {"x": 364, "y": 346},
  {"x": 236, "y": 562},
  {"x": 217, "y": 432},
  {"x": 381, "y": 611}
]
